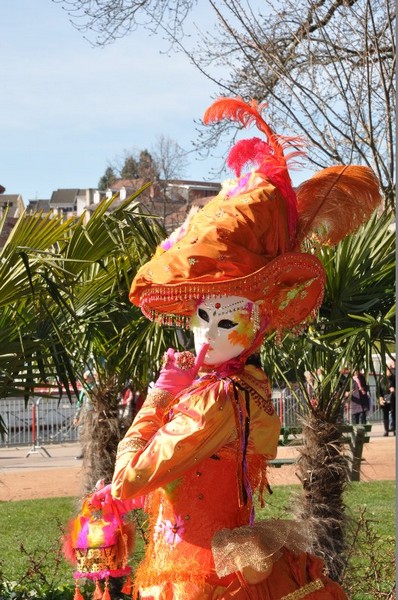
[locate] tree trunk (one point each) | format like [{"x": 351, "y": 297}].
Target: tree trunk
[
  {"x": 323, "y": 471},
  {"x": 102, "y": 431}
]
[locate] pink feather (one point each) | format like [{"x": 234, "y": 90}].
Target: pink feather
[{"x": 267, "y": 157}]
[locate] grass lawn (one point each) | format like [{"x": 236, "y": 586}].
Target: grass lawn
[{"x": 31, "y": 529}]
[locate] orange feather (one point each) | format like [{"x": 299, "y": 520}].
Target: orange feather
[
  {"x": 336, "y": 202},
  {"x": 237, "y": 109},
  {"x": 268, "y": 157}
]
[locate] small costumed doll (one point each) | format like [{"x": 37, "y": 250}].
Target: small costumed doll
[{"x": 198, "y": 448}]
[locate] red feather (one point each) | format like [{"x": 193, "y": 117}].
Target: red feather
[
  {"x": 78, "y": 594},
  {"x": 247, "y": 152},
  {"x": 68, "y": 548},
  {"x": 266, "y": 156}
]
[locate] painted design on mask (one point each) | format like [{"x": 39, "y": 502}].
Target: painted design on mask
[
  {"x": 226, "y": 324},
  {"x": 243, "y": 334}
]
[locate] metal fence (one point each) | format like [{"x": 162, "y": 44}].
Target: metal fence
[
  {"x": 50, "y": 420},
  {"x": 290, "y": 410},
  {"x": 43, "y": 420}
]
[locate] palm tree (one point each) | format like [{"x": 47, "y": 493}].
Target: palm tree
[
  {"x": 355, "y": 322},
  {"x": 70, "y": 307},
  {"x": 23, "y": 333}
]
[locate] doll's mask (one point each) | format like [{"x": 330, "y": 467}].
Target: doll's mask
[{"x": 228, "y": 324}]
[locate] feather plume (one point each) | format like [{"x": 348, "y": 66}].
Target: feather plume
[
  {"x": 68, "y": 548},
  {"x": 335, "y": 202},
  {"x": 268, "y": 157},
  {"x": 237, "y": 109}
]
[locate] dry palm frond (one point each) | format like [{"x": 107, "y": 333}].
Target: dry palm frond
[{"x": 323, "y": 470}]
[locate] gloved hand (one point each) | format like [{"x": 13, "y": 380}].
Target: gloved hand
[
  {"x": 179, "y": 370},
  {"x": 102, "y": 499}
]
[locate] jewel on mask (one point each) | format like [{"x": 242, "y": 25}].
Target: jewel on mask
[{"x": 239, "y": 305}]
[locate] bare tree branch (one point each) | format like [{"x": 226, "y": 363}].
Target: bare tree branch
[{"x": 325, "y": 67}]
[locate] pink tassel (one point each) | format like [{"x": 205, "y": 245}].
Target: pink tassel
[{"x": 97, "y": 595}]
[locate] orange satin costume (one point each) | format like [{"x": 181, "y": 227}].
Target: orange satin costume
[
  {"x": 189, "y": 459},
  {"x": 200, "y": 457}
]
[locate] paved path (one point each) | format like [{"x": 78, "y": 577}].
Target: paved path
[
  {"x": 378, "y": 460},
  {"x": 28, "y": 474}
]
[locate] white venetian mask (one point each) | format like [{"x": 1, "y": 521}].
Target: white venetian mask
[{"x": 228, "y": 324}]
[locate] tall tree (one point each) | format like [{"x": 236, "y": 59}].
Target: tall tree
[
  {"x": 148, "y": 167},
  {"x": 170, "y": 158},
  {"x": 326, "y": 68},
  {"x": 107, "y": 179},
  {"x": 129, "y": 169},
  {"x": 327, "y": 71},
  {"x": 140, "y": 166}
]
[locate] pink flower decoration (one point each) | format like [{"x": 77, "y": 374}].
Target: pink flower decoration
[{"x": 172, "y": 530}]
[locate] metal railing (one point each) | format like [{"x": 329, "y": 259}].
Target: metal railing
[
  {"x": 42, "y": 421},
  {"x": 289, "y": 409},
  {"x": 50, "y": 420}
]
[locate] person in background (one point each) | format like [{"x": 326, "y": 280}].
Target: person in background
[
  {"x": 387, "y": 400},
  {"x": 391, "y": 380},
  {"x": 126, "y": 403},
  {"x": 342, "y": 391},
  {"x": 360, "y": 401},
  {"x": 83, "y": 405},
  {"x": 310, "y": 386}
]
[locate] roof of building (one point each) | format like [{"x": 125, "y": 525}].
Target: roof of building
[
  {"x": 39, "y": 205},
  {"x": 64, "y": 196},
  {"x": 213, "y": 185},
  {"x": 187, "y": 183},
  {"x": 133, "y": 184},
  {"x": 14, "y": 203}
]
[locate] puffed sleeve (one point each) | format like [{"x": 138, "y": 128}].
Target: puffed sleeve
[
  {"x": 147, "y": 422},
  {"x": 201, "y": 423}
]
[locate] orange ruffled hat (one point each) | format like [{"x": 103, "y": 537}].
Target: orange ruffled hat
[{"x": 246, "y": 241}]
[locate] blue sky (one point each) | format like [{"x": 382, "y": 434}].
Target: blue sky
[{"x": 68, "y": 109}]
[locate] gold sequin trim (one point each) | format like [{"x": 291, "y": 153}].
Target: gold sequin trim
[
  {"x": 305, "y": 590},
  {"x": 95, "y": 560},
  {"x": 158, "y": 398},
  {"x": 262, "y": 402},
  {"x": 130, "y": 444}
]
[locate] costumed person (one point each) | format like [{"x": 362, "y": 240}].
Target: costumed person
[{"x": 198, "y": 448}]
